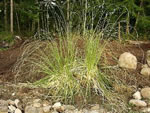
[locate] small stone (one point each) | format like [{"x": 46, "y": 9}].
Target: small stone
[
  {"x": 127, "y": 60},
  {"x": 18, "y": 111},
  {"x": 46, "y": 108},
  {"x": 145, "y": 71},
  {"x": 56, "y": 105},
  {"x": 145, "y": 110},
  {"x": 12, "y": 108},
  {"x": 145, "y": 92},
  {"x": 138, "y": 103},
  {"x": 69, "y": 107},
  {"x": 137, "y": 95},
  {"x": 37, "y": 105},
  {"x": 95, "y": 107},
  {"x": 30, "y": 109},
  {"x": 13, "y": 94}
]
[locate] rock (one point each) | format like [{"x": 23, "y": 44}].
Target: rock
[
  {"x": 145, "y": 71},
  {"x": 18, "y": 111},
  {"x": 145, "y": 110},
  {"x": 148, "y": 57},
  {"x": 46, "y": 108},
  {"x": 37, "y": 105},
  {"x": 30, "y": 109},
  {"x": 145, "y": 92},
  {"x": 145, "y": 66},
  {"x": 12, "y": 108},
  {"x": 69, "y": 107},
  {"x": 137, "y": 95},
  {"x": 127, "y": 60},
  {"x": 138, "y": 103},
  {"x": 95, "y": 107},
  {"x": 56, "y": 105}
]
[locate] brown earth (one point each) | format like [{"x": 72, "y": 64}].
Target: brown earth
[{"x": 127, "y": 78}]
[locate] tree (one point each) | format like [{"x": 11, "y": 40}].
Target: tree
[{"x": 11, "y": 17}]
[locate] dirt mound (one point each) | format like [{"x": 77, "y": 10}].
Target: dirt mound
[{"x": 7, "y": 60}]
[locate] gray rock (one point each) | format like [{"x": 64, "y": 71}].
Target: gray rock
[
  {"x": 145, "y": 92},
  {"x": 18, "y": 111},
  {"x": 127, "y": 60},
  {"x": 145, "y": 71},
  {"x": 138, "y": 103}
]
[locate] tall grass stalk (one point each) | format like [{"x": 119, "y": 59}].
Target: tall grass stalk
[{"x": 68, "y": 74}]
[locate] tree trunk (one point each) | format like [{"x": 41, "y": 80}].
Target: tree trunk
[
  {"x": 68, "y": 17},
  {"x": 11, "y": 17},
  {"x": 85, "y": 17},
  {"x": 5, "y": 14}
]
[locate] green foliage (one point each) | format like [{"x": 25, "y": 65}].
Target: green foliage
[{"x": 6, "y": 36}]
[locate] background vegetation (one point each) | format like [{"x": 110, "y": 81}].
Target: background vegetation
[{"x": 49, "y": 17}]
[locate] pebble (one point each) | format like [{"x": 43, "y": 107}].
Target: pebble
[{"x": 137, "y": 95}]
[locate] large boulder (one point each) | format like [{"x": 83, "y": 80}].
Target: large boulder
[
  {"x": 145, "y": 92},
  {"x": 128, "y": 60}
]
